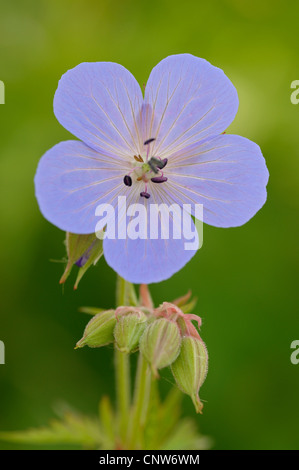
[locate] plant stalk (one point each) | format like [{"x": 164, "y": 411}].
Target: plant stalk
[{"x": 140, "y": 403}]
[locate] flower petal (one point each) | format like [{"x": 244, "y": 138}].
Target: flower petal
[
  {"x": 71, "y": 180},
  {"x": 99, "y": 103},
  {"x": 192, "y": 99},
  {"x": 227, "y": 174},
  {"x": 151, "y": 260}
]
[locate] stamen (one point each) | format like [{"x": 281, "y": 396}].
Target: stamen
[
  {"x": 156, "y": 164},
  {"x": 128, "y": 180},
  {"x": 148, "y": 141},
  {"x": 162, "y": 163},
  {"x": 153, "y": 165},
  {"x": 159, "y": 179}
]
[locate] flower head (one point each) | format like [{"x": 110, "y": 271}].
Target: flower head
[{"x": 167, "y": 147}]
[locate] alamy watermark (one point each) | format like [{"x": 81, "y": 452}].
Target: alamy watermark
[
  {"x": 295, "y": 94},
  {"x": 295, "y": 354},
  {"x": 2, "y": 346},
  {"x": 151, "y": 221},
  {"x": 2, "y": 353},
  {"x": 2, "y": 93}
]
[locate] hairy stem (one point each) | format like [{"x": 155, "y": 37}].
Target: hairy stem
[
  {"x": 125, "y": 295},
  {"x": 140, "y": 403},
  {"x": 123, "y": 391}
]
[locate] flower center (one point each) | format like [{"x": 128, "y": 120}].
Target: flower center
[{"x": 145, "y": 171}]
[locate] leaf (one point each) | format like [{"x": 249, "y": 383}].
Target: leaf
[
  {"x": 151, "y": 436},
  {"x": 108, "y": 419},
  {"x": 186, "y": 437},
  {"x": 73, "y": 429},
  {"x": 182, "y": 300},
  {"x": 92, "y": 310},
  {"x": 170, "y": 413},
  {"x": 162, "y": 417},
  {"x": 189, "y": 307},
  {"x": 183, "y": 304}
]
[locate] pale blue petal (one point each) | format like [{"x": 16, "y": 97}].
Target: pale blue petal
[
  {"x": 71, "y": 180},
  {"x": 190, "y": 99},
  {"x": 152, "y": 260},
  {"x": 99, "y": 103},
  {"x": 227, "y": 174}
]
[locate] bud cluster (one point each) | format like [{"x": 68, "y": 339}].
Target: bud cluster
[{"x": 165, "y": 336}]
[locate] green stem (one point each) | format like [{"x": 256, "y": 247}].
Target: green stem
[
  {"x": 140, "y": 403},
  {"x": 123, "y": 391},
  {"x": 125, "y": 295}
]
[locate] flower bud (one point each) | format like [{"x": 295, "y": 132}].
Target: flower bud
[
  {"x": 190, "y": 368},
  {"x": 160, "y": 343},
  {"x": 99, "y": 330},
  {"x": 82, "y": 250},
  {"x": 128, "y": 329}
]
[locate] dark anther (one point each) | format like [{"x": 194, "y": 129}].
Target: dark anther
[
  {"x": 159, "y": 179},
  {"x": 138, "y": 158},
  {"x": 156, "y": 164},
  {"x": 145, "y": 194},
  {"x": 153, "y": 165},
  {"x": 128, "y": 180},
  {"x": 162, "y": 163},
  {"x": 148, "y": 141}
]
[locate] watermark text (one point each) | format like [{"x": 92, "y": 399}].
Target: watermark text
[
  {"x": 295, "y": 94},
  {"x": 295, "y": 354},
  {"x": 2, "y": 93},
  {"x": 152, "y": 221},
  {"x": 2, "y": 353}
]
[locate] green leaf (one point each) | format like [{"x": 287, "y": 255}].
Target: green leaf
[
  {"x": 108, "y": 420},
  {"x": 182, "y": 300},
  {"x": 91, "y": 310},
  {"x": 186, "y": 437},
  {"x": 170, "y": 412},
  {"x": 183, "y": 304},
  {"x": 153, "y": 424},
  {"x": 73, "y": 429},
  {"x": 189, "y": 307}
]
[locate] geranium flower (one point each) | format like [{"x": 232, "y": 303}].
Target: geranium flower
[{"x": 166, "y": 147}]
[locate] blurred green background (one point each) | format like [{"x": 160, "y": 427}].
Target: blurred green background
[{"x": 246, "y": 278}]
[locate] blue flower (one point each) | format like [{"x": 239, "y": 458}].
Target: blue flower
[{"x": 166, "y": 147}]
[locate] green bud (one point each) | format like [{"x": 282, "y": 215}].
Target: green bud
[
  {"x": 190, "y": 368},
  {"x": 160, "y": 343},
  {"x": 99, "y": 330},
  {"x": 128, "y": 330},
  {"x": 82, "y": 250}
]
